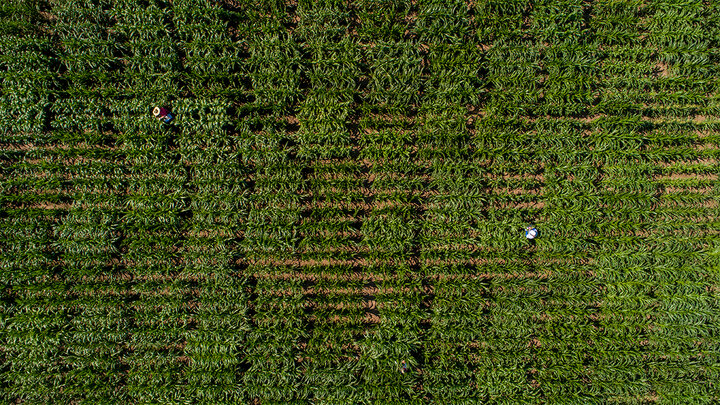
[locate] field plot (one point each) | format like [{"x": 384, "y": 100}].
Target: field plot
[{"x": 344, "y": 188}]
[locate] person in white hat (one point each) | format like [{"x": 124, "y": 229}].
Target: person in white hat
[
  {"x": 162, "y": 114},
  {"x": 531, "y": 232}
]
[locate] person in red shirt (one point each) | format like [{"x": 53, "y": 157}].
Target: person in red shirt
[{"x": 163, "y": 114}]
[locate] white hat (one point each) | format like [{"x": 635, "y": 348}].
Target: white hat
[{"x": 156, "y": 111}]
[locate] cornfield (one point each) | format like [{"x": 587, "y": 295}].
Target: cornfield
[{"x": 336, "y": 213}]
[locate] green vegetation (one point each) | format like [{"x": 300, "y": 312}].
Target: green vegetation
[{"x": 345, "y": 186}]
